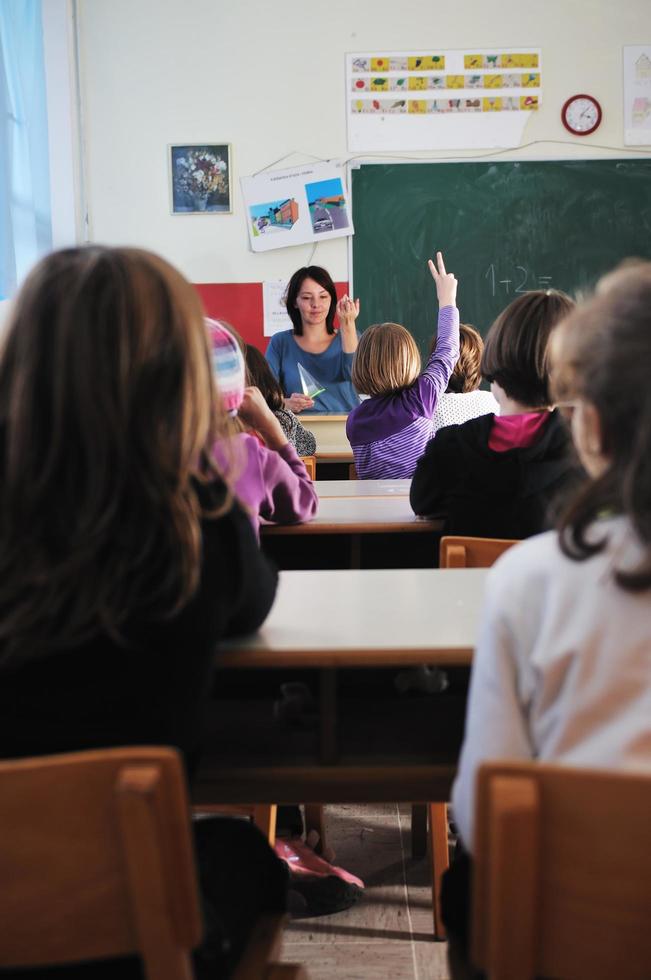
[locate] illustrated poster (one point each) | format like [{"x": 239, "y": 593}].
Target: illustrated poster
[
  {"x": 307, "y": 203},
  {"x": 637, "y": 95},
  {"x": 461, "y": 99}
]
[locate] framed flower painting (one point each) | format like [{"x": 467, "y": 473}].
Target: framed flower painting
[{"x": 200, "y": 178}]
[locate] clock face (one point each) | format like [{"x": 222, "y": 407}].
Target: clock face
[{"x": 581, "y": 115}]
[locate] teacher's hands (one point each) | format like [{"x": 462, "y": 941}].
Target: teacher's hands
[
  {"x": 298, "y": 403},
  {"x": 347, "y": 311},
  {"x": 446, "y": 284}
]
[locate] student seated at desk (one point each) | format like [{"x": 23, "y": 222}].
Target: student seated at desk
[
  {"x": 124, "y": 557},
  {"x": 262, "y": 377},
  {"x": 463, "y": 400},
  {"x": 497, "y": 476},
  {"x": 269, "y": 478},
  {"x": 562, "y": 670},
  {"x": 389, "y": 431}
]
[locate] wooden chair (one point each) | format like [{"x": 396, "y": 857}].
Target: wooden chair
[
  {"x": 96, "y": 861},
  {"x": 462, "y": 552},
  {"x": 454, "y": 552},
  {"x": 562, "y": 873},
  {"x": 310, "y": 466},
  {"x": 352, "y": 472}
]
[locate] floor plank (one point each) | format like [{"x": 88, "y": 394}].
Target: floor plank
[{"x": 389, "y": 933}]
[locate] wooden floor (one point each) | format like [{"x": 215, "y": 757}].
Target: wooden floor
[{"x": 389, "y": 933}]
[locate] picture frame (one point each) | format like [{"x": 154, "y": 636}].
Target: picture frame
[{"x": 200, "y": 178}]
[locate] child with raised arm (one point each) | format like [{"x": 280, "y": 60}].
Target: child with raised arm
[{"x": 389, "y": 431}]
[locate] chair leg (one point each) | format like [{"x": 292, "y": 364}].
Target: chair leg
[
  {"x": 438, "y": 829},
  {"x": 418, "y": 830},
  {"x": 314, "y": 821},
  {"x": 264, "y": 817}
]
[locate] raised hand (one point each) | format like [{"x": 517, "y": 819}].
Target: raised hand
[
  {"x": 446, "y": 284},
  {"x": 347, "y": 311}
]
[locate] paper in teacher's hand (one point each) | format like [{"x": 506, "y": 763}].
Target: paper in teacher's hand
[{"x": 303, "y": 204}]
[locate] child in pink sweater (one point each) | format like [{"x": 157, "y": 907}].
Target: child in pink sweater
[{"x": 270, "y": 480}]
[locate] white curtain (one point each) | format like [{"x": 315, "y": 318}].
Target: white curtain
[{"x": 25, "y": 215}]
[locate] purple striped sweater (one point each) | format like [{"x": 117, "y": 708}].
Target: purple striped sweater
[{"x": 388, "y": 433}]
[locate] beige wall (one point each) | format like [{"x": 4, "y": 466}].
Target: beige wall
[{"x": 269, "y": 79}]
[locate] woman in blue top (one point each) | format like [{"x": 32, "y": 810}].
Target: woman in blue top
[{"x": 313, "y": 345}]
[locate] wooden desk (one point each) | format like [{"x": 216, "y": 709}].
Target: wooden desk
[
  {"x": 359, "y": 515},
  {"x": 366, "y": 618},
  {"x": 329, "y": 430},
  {"x": 362, "y": 488},
  {"x": 334, "y": 454},
  {"x": 366, "y": 743}
]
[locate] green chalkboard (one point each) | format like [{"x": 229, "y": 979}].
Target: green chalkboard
[{"x": 504, "y": 228}]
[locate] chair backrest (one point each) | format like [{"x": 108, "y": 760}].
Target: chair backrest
[
  {"x": 96, "y": 860},
  {"x": 562, "y": 873},
  {"x": 352, "y": 472},
  {"x": 462, "y": 552},
  {"x": 310, "y": 466}
]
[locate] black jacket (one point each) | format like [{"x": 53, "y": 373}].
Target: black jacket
[
  {"x": 494, "y": 494},
  {"x": 155, "y": 688}
]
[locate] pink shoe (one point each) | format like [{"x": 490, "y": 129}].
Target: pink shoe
[{"x": 323, "y": 887}]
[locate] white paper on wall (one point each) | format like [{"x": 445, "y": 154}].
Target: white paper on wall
[
  {"x": 450, "y": 99},
  {"x": 274, "y": 309},
  {"x": 637, "y": 94},
  {"x": 308, "y": 203}
]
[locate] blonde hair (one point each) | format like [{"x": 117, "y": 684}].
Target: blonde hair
[
  {"x": 466, "y": 375},
  {"x": 387, "y": 359}
]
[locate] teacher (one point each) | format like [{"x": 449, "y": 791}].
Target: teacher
[{"x": 312, "y": 361}]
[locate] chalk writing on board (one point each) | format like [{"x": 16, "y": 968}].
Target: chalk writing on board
[{"x": 517, "y": 280}]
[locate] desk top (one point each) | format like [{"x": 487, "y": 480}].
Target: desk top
[
  {"x": 366, "y": 618},
  {"x": 359, "y": 515},
  {"x": 362, "y": 488}
]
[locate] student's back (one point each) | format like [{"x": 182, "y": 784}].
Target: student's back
[
  {"x": 463, "y": 400},
  {"x": 268, "y": 477},
  {"x": 124, "y": 558},
  {"x": 389, "y": 431},
  {"x": 499, "y": 476},
  {"x": 562, "y": 669},
  {"x": 116, "y": 578}
]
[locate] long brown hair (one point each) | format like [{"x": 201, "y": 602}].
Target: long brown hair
[
  {"x": 601, "y": 354},
  {"x": 107, "y": 415},
  {"x": 260, "y": 374}
]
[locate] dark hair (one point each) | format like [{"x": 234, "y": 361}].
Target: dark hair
[
  {"x": 108, "y": 412},
  {"x": 321, "y": 277},
  {"x": 260, "y": 374},
  {"x": 467, "y": 374},
  {"x": 601, "y": 355},
  {"x": 516, "y": 346}
]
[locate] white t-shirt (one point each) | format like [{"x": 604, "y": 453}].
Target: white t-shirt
[
  {"x": 455, "y": 409},
  {"x": 562, "y": 670}
]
